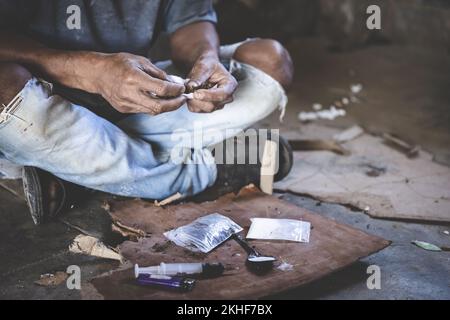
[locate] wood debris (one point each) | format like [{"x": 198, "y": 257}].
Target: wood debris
[
  {"x": 93, "y": 247},
  {"x": 172, "y": 198}
]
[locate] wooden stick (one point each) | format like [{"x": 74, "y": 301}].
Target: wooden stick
[
  {"x": 168, "y": 200},
  {"x": 268, "y": 166}
]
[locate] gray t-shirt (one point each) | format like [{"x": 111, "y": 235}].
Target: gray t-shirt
[{"x": 105, "y": 25}]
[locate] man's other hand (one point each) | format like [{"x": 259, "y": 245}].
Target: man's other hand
[
  {"x": 132, "y": 84},
  {"x": 209, "y": 71}
]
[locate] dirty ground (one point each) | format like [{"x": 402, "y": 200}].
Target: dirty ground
[{"x": 411, "y": 100}]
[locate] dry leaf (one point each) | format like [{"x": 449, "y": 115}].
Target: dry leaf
[
  {"x": 426, "y": 245},
  {"x": 52, "y": 280}
]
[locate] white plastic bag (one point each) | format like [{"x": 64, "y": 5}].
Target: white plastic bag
[{"x": 279, "y": 229}]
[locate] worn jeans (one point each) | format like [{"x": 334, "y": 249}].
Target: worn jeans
[{"x": 133, "y": 156}]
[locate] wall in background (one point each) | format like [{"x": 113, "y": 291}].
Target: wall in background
[
  {"x": 424, "y": 23},
  {"x": 415, "y": 22}
]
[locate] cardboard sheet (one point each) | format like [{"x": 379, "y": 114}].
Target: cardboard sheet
[
  {"x": 375, "y": 178},
  {"x": 332, "y": 246}
]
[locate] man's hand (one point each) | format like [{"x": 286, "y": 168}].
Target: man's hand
[
  {"x": 132, "y": 84},
  {"x": 208, "y": 70}
]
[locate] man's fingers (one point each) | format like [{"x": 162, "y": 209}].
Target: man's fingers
[
  {"x": 157, "y": 106},
  {"x": 160, "y": 88},
  {"x": 206, "y": 106},
  {"x": 223, "y": 91},
  {"x": 227, "y": 101},
  {"x": 201, "y": 106},
  {"x": 214, "y": 94},
  {"x": 221, "y": 105},
  {"x": 199, "y": 75},
  {"x": 153, "y": 70}
]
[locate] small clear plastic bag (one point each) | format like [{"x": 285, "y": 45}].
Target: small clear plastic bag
[{"x": 205, "y": 233}]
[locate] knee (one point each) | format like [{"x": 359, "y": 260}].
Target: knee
[
  {"x": 269, "y": 56},
  {"x": 13, "y": 78}
]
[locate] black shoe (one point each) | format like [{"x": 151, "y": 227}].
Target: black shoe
[
  {"x": 45, "y": 194},
  {"x": 232, "y": 177}
]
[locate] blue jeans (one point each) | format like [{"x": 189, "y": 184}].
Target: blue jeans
[{"x": 133, "y": 157}]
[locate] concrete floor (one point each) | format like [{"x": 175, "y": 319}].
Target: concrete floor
[
  {"x": 405, "y": 92},
  {"x": 407, "y": 272}
]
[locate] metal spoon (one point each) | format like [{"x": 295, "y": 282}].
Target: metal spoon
[{"x": 256, "y": 262}]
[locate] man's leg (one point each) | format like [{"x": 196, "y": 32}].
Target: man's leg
[
  {"x": 269, "y": 56},
  {"x": 49, "y": 132},
  {"x": 259, "y": 93}
]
